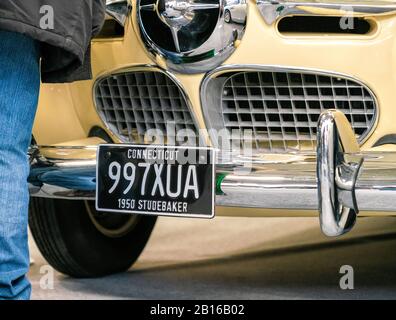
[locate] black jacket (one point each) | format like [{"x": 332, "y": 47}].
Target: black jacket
[{"x": 65, "y": 49}]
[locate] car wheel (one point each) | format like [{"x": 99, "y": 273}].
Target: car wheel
[
  {"x": 81, "y": 242},
  {"x": 227, "y": 16}
]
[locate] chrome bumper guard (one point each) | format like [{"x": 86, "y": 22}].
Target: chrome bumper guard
[{"x": 339, "y": 180}]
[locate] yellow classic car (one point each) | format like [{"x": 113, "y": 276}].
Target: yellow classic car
[{"x": 292, "y": 100}]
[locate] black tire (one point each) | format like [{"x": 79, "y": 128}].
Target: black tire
[
  {"x": 73, "y": 244},
  {"x": 227, "y": 16}
]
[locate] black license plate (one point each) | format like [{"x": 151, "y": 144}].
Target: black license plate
[{"x": 156, "y": 180}]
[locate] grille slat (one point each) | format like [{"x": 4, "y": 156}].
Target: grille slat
[
  {"x": 282, "y": 108},
  {"x": 133, "y": 102}
]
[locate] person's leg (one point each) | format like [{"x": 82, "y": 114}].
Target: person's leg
[{"x": 19, "y": 88}]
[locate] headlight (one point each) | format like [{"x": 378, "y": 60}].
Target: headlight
[{"x": 192, "y": 36}]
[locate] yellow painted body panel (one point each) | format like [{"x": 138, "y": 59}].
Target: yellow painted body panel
[{"x": 66, "y": 112}]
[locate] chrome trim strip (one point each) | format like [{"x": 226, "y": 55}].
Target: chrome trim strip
[
  {"x": 274, "y": 68},
  {"x": 118, "y": 10},
  {"x": 273, "y": 10}
]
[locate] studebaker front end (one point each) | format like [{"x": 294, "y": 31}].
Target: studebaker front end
[{"x": 303, "y": 91}]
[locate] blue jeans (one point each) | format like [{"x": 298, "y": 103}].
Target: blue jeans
[{"x": 19, "y": 89}]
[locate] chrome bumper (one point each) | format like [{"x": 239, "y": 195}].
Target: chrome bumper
[
  {"x": 339, "y": 180},
  {"x": 289, "y": 184}
]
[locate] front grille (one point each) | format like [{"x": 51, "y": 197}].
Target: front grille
[
  {"x": 139, "y": 105},
  {"x": 282, "y": 108}
]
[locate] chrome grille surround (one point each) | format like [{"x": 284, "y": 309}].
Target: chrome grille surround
[
  {"x": 134, "y": 101},
  {"x": 281, "y": 106}
]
